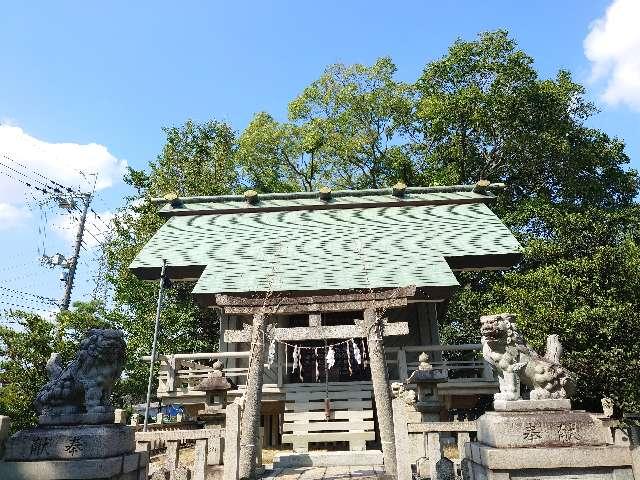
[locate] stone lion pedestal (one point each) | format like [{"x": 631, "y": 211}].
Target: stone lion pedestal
[
  {"x": 544, "y": 439},
  {"x": 76, "y": 437},
  {"x": 541, "y": 437},
  {"x": 52, "y": 452}
]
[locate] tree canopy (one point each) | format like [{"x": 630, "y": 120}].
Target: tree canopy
[{"x": 479, "y": 112}]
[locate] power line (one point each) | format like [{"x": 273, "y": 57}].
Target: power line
[
  {"x": 100, "y": 218},
  {"x": 55, "y": 189},
  {"x": 21, "y": 306},
  {"x": 47, "y": 299},
  {"x": 53, "y": 182},
  {"x": 26, "y": 303},
  {"x": 41, "y": 190},
  {"x": 14, "y": 267}
]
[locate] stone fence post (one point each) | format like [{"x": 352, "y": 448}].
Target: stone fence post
[
  {"x": 5, "y": 423},
  {"x": 232, "y": 441},
  {"x": 403, "y": 459}
]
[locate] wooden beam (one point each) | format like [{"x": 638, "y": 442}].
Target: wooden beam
[
  {"x": 315, "y": 320},
  {"x": 317, "y": 333},
  {"x": 317, "y": 307},
  {"x": 245, "y": 301}
]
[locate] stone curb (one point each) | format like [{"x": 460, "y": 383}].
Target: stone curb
[
  {"x": 73, "y": 469},
  {"x": 548, "y": 458}
]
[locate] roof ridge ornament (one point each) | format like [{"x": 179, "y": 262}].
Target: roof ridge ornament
[
  {"x": 325, "y": 193},
  {"x": 399, "y": 189},
  {"x": 481, "y": 186},
  {"x": 251, "y": 196},
  {"x": 173, "y": 199}
]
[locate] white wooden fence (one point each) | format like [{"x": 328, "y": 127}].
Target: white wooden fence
[
  {"x": 461, "y": 362},
  {"x": 180, "y": 374}
]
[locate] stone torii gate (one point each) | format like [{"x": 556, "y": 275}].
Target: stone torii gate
[{"x": 373, "y": 327}]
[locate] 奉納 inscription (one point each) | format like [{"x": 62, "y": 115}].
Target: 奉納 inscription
[
  {"x": 568, "y": 432},
  {"x": 74, "y": 446},
  {"x": 40, "y": 446},
  {"x": 531, "y": 432}
]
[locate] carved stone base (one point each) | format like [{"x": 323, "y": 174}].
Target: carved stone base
[
  {"x": 532, "y": 405},
  {"x": 70, "y": 442},
  {"x": 610, "y": 462},
  {"x": 131, "y": 466},
  {"x": 78, "y": 419},
  {"x": 539, "y": 429}
]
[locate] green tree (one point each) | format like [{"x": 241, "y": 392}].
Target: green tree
[
  {"x": 482, "y": 112},
  {"x": 358, "y": 114},
  {"x": 282, "y": 157},
  {"x": 197, "y": 159}
]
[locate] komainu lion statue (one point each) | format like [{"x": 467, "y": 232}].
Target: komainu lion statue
[
  {"x": 515, "y": 362},
  {"x": 85, "y": 384}
]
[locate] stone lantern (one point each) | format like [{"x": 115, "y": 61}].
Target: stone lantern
[
  {"x": 216, "y": 386},
  {"x": 427, "y": 378}
]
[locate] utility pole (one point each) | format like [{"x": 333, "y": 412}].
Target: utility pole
[{"x": 73, "y": 261}]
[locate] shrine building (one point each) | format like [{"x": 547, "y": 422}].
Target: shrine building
[{"x": 325, "y": 299}]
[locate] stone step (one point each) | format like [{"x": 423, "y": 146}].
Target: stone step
[{"x": 327, "y": 459}]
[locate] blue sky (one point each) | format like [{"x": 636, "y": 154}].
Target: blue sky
[{"x": 113, "y": 73}]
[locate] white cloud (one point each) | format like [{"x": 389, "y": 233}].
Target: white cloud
[
  {"x": 96, "y": 229},
  {"x": 10, "y": 216},
  {"x": 26, "y": 159},
  {"x": 613, "y": 47}
]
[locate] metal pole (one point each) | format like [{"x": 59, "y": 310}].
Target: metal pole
[
  {"x": 153, "y": 345},
  {"x": 66, "y": 300}
]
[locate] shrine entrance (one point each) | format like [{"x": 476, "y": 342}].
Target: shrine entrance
[
  {"x": 348, "y": 362},
  {"x": 341, "y": 411},
  {"x": 328, "y": 390}
]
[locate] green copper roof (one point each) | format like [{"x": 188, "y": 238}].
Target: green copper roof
[{"x": 330, "y": 249}]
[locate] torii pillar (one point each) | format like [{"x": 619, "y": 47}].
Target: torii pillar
[
  {"x": 381, "y": 388},
  {"x": 250, "y": 425}
]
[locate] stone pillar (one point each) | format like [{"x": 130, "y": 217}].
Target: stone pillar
[
  {"x": 231, "y": 441},
  {"x": 120, "y": 416},
  {"x": 5, "y": 423},
  {"x": 434, "y": 453},
  {"x": 403, "y": 466},
  {"x": 214, "y": 451},
  {"x": 171, "y": 456},
  {"x": 381, "y": 388},
  {"x": 635, "y": 461},
  {"x": 463, "y": 439},
  {"x": 445, "y": 469},
  {"x": 250, "y": 428},
  {"x": 199, "y": 471}
]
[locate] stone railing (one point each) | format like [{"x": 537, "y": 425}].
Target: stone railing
[
  {"x": 180, "y": 374},
  {"x": 462, "y": 362},
  {"x": 158, "y": 442},
  {"x": 208, "y": 448},
  {"x": 420, "y": 443}
]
